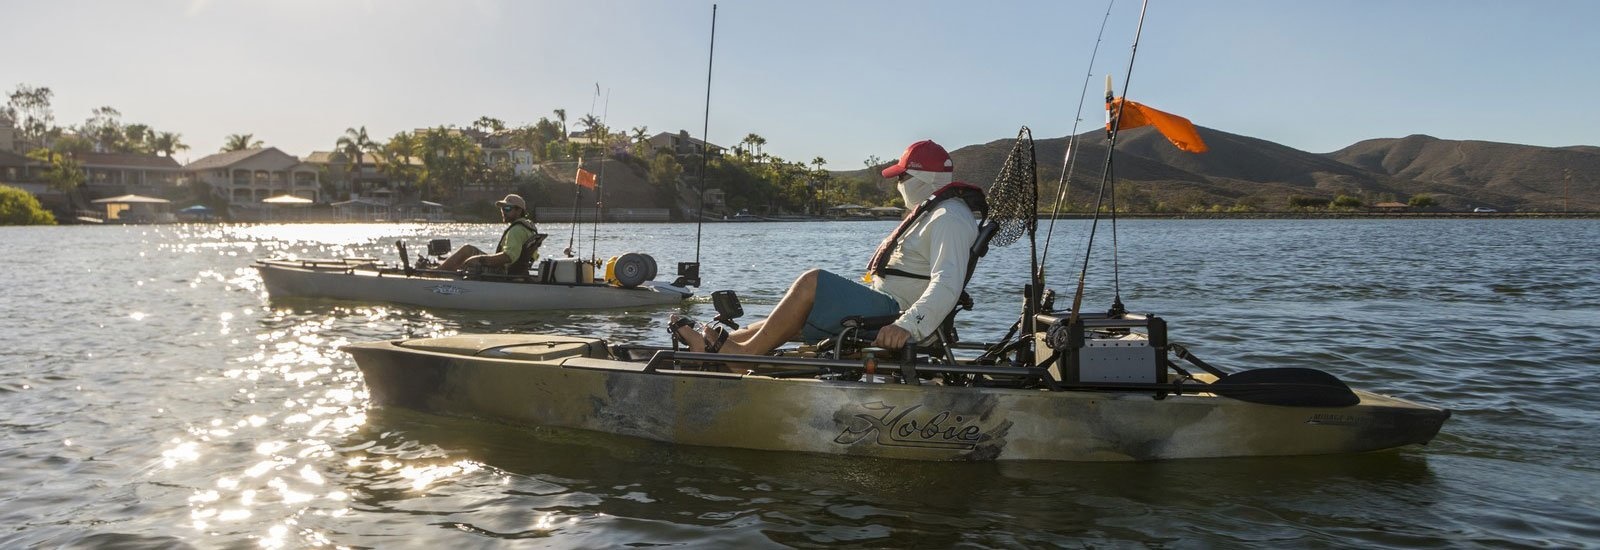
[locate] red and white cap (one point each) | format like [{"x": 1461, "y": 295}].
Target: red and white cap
[{"x": 924, "y": 155}]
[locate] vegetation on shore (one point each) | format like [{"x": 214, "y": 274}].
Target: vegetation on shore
[{"x": 18, "y": 207}]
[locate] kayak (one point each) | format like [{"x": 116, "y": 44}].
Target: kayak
[
  {"x": 801, "y": 400},
  {"x": 365, "y": 279}
]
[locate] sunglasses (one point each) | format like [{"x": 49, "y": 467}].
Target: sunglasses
[{"x": 507, "y": 208}]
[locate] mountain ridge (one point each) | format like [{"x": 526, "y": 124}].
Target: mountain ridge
[{"x": 1263, "y": 175}]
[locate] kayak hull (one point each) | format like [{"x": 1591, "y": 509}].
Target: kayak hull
[
  {"x": 368, "y": 283},
  {"x": 570, "y": 382}
]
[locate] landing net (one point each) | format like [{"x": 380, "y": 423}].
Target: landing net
[{"x": 1014, "y": 195}]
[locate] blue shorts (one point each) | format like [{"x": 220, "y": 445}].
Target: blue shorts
[{"x": 837, "y": 298}]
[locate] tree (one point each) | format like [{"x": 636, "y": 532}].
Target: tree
[
  {"x": 136, "y": 138},
  {"x": 397, "y": 158},
  {"x": 590, "y": 123},
  {"x": 488, "y": 125},
  {"x": 1346, "y": 201},
  {"x": 18, "y": 207},
  {"x": 72, "y": 145},
  {"x": 753, "y": 143},
  {"x": 104, "y": 128},
  {"x": 167, "y": 144},
  {"x": 561, "y": 115},
  {"x": 1423, "y": 200},
  {"x": 449, "y": 160},
  {"x": 354, "y": 145},
  {"x": 641, "y": 133},
  {"x": 240, "y": 142},
  {"x": 1299, "y": 202},
  {"x": 62, "y": 171},
  {"x": 29, "y": 110},
  {"x": 664, "y": 170}
]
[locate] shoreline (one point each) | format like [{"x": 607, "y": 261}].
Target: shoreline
[{"x": 1065, "y": 216}]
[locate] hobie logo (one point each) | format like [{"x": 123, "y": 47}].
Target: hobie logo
[
  {"x": 447, "y": 290},
  {"x": 901, "y": 428}
]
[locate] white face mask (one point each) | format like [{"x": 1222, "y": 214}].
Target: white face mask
[{"x": 915, "y": 189}]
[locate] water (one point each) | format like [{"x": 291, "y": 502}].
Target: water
[{"x": 154, "y": 396}]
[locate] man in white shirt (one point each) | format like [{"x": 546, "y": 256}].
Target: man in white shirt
[{"x": 918, "y": 272}]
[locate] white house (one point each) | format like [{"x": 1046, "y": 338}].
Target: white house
[{"x": 247, "y": 177}]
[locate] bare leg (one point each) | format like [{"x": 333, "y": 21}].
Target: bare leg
[
  {"x": 763, "y": 336},
  {"x": 455, "y": 260}
]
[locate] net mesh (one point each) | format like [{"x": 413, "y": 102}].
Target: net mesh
[{"x": 1013, "y": 197}]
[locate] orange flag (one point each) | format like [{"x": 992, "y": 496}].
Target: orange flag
[
  {"x": 585, "y": 178},
  {"x": 1177, "y": 129}
]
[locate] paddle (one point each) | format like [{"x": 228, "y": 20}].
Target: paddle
[{"x": 1286, "y": 386}]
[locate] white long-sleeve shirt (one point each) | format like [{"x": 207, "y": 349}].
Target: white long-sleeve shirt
[{"x": 939, "y": 245}]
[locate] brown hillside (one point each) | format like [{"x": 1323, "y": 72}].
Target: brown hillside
[
  {"x": 1459, "y": 175},
  {"x": 624, "y": 185},
  {"x": 1505, "y": 176}
]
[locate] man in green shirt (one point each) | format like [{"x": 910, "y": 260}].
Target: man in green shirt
[{"x": 518, "y": 248}]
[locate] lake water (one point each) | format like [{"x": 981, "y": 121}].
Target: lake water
[{"x": 154, "y": 396}]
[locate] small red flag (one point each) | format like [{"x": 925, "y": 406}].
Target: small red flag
[
  {"x": 1177, "y": 129},
  {"x": 585, "y": 178}
]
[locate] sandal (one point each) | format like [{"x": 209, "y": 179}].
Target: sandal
[{"x": 712, "y": 346}]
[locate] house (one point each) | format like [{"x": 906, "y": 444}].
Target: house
[
  {"x": 124, "y": 173},
  {"x": 681, "y": 144},
  {"x": 16, "y": 168},
  {"x": 249, "y": 176}
]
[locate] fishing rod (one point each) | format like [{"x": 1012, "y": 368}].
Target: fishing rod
[
  {"x": 689, "y": 274},
  {"x": 705, "y": 130},
  {"x": 600, "y": 180},
  {"x": 1069, "y": 162},
  {"x": 1113, "y": 124}
]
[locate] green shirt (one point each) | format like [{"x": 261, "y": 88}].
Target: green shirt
[{"x": 514, "y": 240}]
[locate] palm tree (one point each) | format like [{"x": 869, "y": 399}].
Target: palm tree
[
  {"x": 754, "y": 143},
  {"x": 355, "y": 144},
  {"x": 489, "y": 125},
  {"x": 640, "y": 133},
  {"x": 167, "y": 144},
  {"x": 240, "y": 142},
  {"x": 561, "y": 115},
  {"x": 590, "y": 123}
]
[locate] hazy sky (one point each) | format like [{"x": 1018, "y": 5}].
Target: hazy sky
[{"x": 836, "y": 79}]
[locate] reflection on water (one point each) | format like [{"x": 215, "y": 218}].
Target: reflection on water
[{"x": 156, "y": 396}]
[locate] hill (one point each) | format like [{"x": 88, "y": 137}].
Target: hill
[
  {"x": 1241, "y": 170},
  {"x": 1505, "y": 176}
]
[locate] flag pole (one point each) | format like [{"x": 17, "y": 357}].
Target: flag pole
[{"x": 600, "y": 179}]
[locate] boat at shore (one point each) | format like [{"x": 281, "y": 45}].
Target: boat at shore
[{"x": 555, "y": 285}]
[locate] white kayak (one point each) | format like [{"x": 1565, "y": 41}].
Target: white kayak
[{"x": 365, "y": 279}]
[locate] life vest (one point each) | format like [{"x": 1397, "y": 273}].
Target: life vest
[
  {"x": 529, "y": 247},
  {"x": 967, "y": 193}
]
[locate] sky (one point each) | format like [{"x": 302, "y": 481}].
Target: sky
[{"x": 837, "y": 79}]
